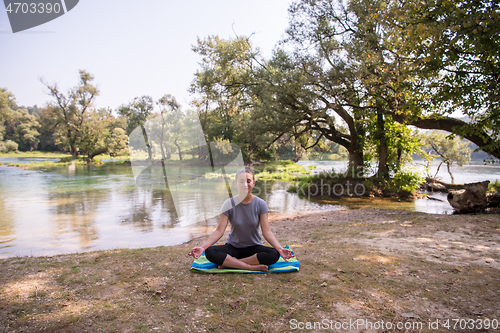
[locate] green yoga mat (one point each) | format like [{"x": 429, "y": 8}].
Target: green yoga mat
[{"x": 204, "y": 266}]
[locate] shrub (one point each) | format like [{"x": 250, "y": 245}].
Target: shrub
[
  {"x": 407, "y": 181},
  {"x": 494, "y": 187},
  {"x": 10, "y": 146}
]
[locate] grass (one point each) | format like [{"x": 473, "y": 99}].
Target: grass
[
  {"x": 35, "y": 154},
  {"x": 286, "y": 171},
  {"x": 327, "y": 157},
  {"x": 64, "y": 160},
  {"x": 345, "y": 274}
]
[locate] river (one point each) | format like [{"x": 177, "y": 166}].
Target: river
[{"x": 61, "y": 210}]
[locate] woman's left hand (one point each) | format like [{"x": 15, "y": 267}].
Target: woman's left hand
[{"x": 286, "y": 253}]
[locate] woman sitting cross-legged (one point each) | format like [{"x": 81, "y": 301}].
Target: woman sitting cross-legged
[{"x": 244, "y": 248}]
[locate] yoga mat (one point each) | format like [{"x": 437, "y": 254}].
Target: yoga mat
[{"x": 204, "y": 266}]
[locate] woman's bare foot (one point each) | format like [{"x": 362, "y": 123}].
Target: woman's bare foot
[{"x": 260, "y": 268}]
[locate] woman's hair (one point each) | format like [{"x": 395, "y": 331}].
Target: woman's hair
[{"x": 246, "y": 170}]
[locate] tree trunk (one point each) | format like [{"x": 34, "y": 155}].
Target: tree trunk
[
  {"x": 355, "y": 164},
  {"x": 179, "y": 149},
  {"x": 449, "y": 171},
  {"x": 449, "y": 124},
  {"x": 382, "y": 149},
  {"x": 148, "y": 145},
  {"x": 439, "y": 166}
]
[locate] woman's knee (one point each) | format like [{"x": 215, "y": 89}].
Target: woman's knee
[
  {"x": 269, "y": 257},
  {"x": 217, "y": 257}
]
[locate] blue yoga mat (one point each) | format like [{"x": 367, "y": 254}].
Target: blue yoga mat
[{"x": 204, "y": 266}]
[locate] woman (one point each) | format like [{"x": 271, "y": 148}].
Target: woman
[{"x": 244, "y": 248}]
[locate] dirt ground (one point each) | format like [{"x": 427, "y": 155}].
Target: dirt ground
[{"x": 367, "y": 270}]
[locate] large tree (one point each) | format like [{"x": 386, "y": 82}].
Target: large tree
[
  {"x": 136, "y": 113},
  {"x": 344, "y": 76},
  {"x": 225, "y": 85},
  {"x": 456, "y": 46},
  {"x": 96, "y": 133},
  {"x": 69, "y": 110},
  {"x": 6, "y": 104},
  {"x": 17, "y": 124}
]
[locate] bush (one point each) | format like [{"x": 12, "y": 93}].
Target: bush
[
  {"x": 9, "y": 146},
  {"x": 407, "y": 181},
  {"x": 494, "y": 186}
]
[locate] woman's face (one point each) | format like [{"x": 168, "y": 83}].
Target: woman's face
[{"x": 245, "y": 183}]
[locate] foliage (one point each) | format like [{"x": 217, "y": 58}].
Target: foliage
[
  {"x": 17, "y": 124},
  {"x": 407, "y": 180},
  {"x": 95, "y": 133},
  {"x": 137, "y": 112},
  {"x": 118, "y": 142},
  {"x": 455, "y": 46},
  {"x": 174, "y": 136},
  {"x": 7, "y": 102},
  {"x": 225, "y": 97},
  {"x": 450, "y": 149},
  {"x": 8, "y": 146},
  {"x": 25, "y": 130},
  {"x": 494, "y": 187},
  {"x": 401, "y": 141},
  {"x": 69, "y": 111}
]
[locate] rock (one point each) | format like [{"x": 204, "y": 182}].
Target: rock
[
  {"x": 409, "y": 315},
  {"x": 471, "y": 199}
]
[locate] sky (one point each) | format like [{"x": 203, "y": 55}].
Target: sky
[{"x": 133, "y": 48}]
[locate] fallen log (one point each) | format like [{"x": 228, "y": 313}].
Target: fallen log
[
  {"x": 471, "y": 199},
  {"x": 436, "y": 199},
  {"x": 440, "y": 185}
]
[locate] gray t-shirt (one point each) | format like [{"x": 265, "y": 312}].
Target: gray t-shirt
[{"x": 245, "y": 221}]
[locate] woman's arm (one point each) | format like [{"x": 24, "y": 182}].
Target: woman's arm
[
  {"x": 196, "y": 252},
  {"x": 269, "y": 236}
]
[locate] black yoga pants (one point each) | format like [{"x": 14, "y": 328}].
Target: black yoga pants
[{"x": 265, "y": 255}]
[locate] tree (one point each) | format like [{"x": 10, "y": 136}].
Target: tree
[
  {"x": 26, "y": 129},
  {"x": 456, "y": 46},
  {"x": 95, "y": 133},
  {"x": 7, "y": 102},
  {"x": 172, "y": 132},
  {"x": 348, "y": 76},
  {"x": 118, "y": 142},
  {"x": 70, "y": 110},
  {"x": 449, "y": 148},
  {"x": 136, "y": 113},
  {"x": 48, "y": 130},
  {"x": 17, "y": 124},
  {"x": 226, "y": 99}
]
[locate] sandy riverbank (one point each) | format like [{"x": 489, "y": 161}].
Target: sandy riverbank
[{"x": 391, "y": 265}]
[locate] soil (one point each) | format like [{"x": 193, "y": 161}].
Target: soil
[{"x": 373, "y": 266}]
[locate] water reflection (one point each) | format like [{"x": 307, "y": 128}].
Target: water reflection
[
  {"x": 147, "y": 206},
  {"x": 74, "y": 212},
  {"x": 7, "y": 230}
]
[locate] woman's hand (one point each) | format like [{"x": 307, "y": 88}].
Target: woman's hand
[
  {"x": 286, "y": 253},
  {"x": 196, "y": 252}
]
